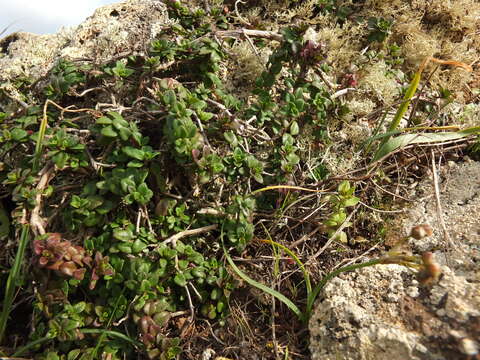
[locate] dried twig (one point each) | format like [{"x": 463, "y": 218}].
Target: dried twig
[
  {"x": 202, "y": 131},
  {"x": 382, "y": 211},
  {"x": 240, "y": 17},
  {"x": 186, "y": 233},
  {"x": 342, "y": 92},
  {"x": 257, "y": 54},
  {"x": 438, "y": 203},
  {"x": 271, "y": 35},
  {"x": 95, "y": 164},
  {"x": 36, "y": 221},
  {"x": 190, "y": 304}
]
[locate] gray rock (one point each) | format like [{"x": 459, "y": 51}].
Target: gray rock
[
  {"x": 112, "y": 31},
  {"x": 382, "y": 312}
]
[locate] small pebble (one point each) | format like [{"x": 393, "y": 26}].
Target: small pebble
[{"x": 468, "y": 347}]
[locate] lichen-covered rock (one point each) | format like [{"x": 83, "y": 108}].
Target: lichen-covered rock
[
  {"x": 382, "y": 312},
  {"x": 30, "y": 55},
  {"x": 359, "y": 317},
  {"x": 114, "y": 30}
]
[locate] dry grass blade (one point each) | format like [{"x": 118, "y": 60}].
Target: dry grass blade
[
  {"x": 297, "y": 260},
  {"x": 408, "y": 139},
  {"x": 258, "y": 285},
  {"x": 288, "y": 187}
]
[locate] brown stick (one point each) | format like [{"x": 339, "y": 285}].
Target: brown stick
[
  {"x": 271, "y": 35},
  {"x": 36, "y": 221},
  {"x": 185, "y": 233},
  {"x": 439, "y": 204}
]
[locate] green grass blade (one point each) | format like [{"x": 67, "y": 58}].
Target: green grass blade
[
  {"x": 258, "y": 285},
  {"x": 288, "y": 187},
  {"x": 402, "y": 109},
  {"x": 102, "y": 337},
  {"x": 13, "y": 280},
  {"x": 30, "y": 345},
  {"x": 262, "y": 287},
  {"x": 306, "y": 276},
  {"x": 412, "y": 89},
  {"x": 408, "y": 139},
  {"x": 366, "y": 144},
  {"x": 114, "y": 334},
  {"x": 41, "y": 137}
]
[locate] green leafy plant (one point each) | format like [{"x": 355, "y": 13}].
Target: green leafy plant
[
  {"x": 66, "y": 150},
  {"x": 379, "y": 28},
  {"x": 128, "y": 183},
  {"x": 237, "y": 225},
  {"x": 125, "y": 178},
  {"x": 340, "y": 202},
  {"x": 64, "y": 76},
  {"x": 120, "y": 70},
  {"x": 115, "y": 126}
]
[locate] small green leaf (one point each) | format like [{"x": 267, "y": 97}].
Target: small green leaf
[
  {"x": 128, "y": 184},
  {"x": 293, "y": 159},
  {"x": 351, "y": 201},
  {"x": 94, "y": 201},
  {"x": 344, "y": 187},
  {"x": 60, "y": 159},
  {"x": 215, "y": 294},
  {"x": 204, "y": 116},
  {"x": 393, "y": 144},
  {"x": 105, "y": 207},
  {"x": 108, "y": 131},
  {"x": 294, "y": 128},
  {"x": 133, "y": 152},
  {"x": 180, "y": 280},
  {"x": 198, "y": 272},
  {"x": 18, "y": 134},
  {"x": 52, "y": 356},
  {"x": 125, "y": 247},
  {"x": 118, "y": 120},
  {"x": 103, "y": 121},
  {"x": 138, "y": 246},
  {"x": 144, "y": 194},
  {"x": 169, "y": 97},
  {"x": 73, "y": 355},
  {"x": 125, "y": 133},
  {"x": 231, "y": 138},
  {"x": 91, "y": 220},
  {"x": 258, "y": 178},
  {"x": 122, "y": 234},
  {"x": 80, "y": 307},
  {"x": 135, "y": 164}
]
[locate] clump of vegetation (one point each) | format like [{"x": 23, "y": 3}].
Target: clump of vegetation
[{"x": 130, "y": 215}]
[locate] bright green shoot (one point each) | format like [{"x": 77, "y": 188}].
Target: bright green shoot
[
  {"x": 412, "y": 89},
  {"x": 13, "y": 279},
  {"x": 14, "y": 275}
]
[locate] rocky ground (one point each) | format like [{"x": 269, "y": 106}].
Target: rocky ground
[
  {"x": 379, "y": 312},
  {"x": 382, "y": 312}
]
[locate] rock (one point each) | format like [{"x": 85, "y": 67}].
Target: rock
[
  {"x": 113, "y": 31},
  {"x": 382, "y": 312}
]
